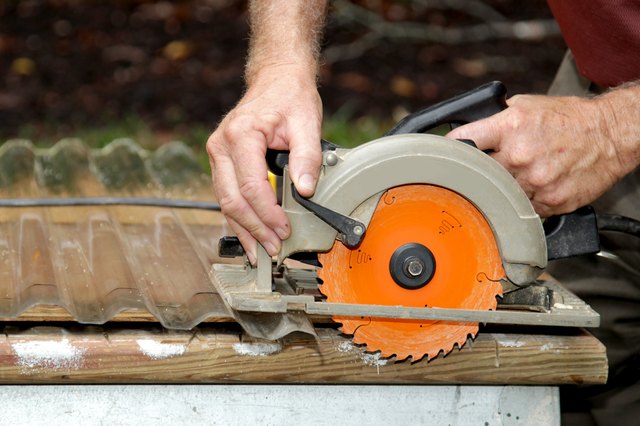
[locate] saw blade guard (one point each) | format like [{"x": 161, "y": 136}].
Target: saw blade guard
[{"x": 353, "y": 180}]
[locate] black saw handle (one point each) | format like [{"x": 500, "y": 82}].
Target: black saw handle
[{"x": 481, "y": 102}]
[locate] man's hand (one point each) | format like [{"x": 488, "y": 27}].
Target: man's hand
[
  {"x": 564, "y": 151},
  {"x": 281, "y": 110}
]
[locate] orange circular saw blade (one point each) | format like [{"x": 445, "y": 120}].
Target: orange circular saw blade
[{"x": 468, "y": 268}]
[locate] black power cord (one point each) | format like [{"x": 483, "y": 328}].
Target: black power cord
[
  {"x": 606, "y": 222},
  {"x": 109, "y": 201},
  {"x": 612, "y": 222}
]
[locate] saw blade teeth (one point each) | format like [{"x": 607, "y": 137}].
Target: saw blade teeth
[{"x": 413, "y": 357}]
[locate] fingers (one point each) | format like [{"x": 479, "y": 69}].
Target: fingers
[
  {"x": 553, "y": 147},
  {"x": 237, "y": 153},
  {"x": 484, "y": 133},
  {"x": 245, "y": 195},
  {"x": 253, "y": 184},
  {"x": 246, "y": 239}
]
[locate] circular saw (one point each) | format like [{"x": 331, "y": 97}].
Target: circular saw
[{"x": 415, "y": 237}]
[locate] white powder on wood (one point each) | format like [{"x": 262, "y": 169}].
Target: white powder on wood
[
  {"x": 562, "y": 306},
  {"x": 370, "y": 359},
  {"x": 257, "y": 349},
  {"x": 507, "y": 342},
  {"x": 56, "y": 354},
  {"x": 158, "y": 350}
]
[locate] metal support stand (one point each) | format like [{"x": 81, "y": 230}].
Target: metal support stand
[{"x": 279, "y": 405}]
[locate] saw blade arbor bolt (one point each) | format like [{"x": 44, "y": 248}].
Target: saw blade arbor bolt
[{"x": 412, "y": 266}]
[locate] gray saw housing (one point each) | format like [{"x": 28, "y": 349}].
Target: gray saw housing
[{"x": 353, "y": 180}]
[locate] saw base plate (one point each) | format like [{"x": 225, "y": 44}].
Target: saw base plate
[{"x": 295, "y": 289}]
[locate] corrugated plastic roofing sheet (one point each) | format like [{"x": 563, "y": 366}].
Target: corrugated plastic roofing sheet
[{"x": 98, "y": 261}]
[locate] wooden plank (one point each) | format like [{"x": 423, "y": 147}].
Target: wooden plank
[{"x": 222, "y": 355}]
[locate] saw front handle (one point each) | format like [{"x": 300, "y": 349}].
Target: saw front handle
[{"x": 476, "y": 104}]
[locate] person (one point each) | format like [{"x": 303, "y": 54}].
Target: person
[{"x": 578, "y": 145}]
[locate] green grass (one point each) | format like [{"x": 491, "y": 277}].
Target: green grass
[
  {"x": 44, "y": 135},
  {"x": 345, "y": 131},
  {"x": 339, "y": 128}
]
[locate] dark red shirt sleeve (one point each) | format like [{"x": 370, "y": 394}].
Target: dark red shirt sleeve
[{"x": 604, "y": 36}]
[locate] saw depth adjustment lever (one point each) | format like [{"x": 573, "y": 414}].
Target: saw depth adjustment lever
[{"x": 352, "y": 231}]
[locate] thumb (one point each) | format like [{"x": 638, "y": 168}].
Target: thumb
[{"x": 484, "y": 133}]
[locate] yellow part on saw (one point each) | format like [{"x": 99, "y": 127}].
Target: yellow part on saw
[{"x": 426, "y": 246}]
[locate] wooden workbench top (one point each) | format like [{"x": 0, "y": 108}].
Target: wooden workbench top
[{"x": 219, "y": 353}]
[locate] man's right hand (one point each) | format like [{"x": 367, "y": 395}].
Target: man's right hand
[{"x": 281, "y": 110}]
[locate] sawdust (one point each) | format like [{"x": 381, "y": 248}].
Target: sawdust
[
  {"x": 507, "y": 342},
  {"x": 562, "y": 306},
  {"x": 158, "y": 350},
  {"x": 553, "y": 347},
  {"x": 369, "y": 359},
  {"x": 257, "y": 349},
  {"x": 48, "y": 354}
]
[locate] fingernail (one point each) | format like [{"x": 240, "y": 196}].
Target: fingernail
[
  {"x": 270, "y": 247},
  {"x": 282, "y": 233},
  {"x": 306, "y": 183},
  {"x": 251, "y": 256}
]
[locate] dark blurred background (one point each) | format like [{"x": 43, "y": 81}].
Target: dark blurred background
[{"x": 160, "y": 70}]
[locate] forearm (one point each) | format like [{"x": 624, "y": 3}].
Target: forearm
[{"x": 285, "y": 33}]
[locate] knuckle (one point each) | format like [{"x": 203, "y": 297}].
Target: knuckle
[
  {"x": 307, "y": 159},
  {"x": 255, "y": 230},
  {"x": 240, "y": 212},
  {"x": 540, "y": 177},
  {"x": 554, "y": 200},
  {"x": 232, "y": 129},
  {"x": 236, "y": 127},
  {"x": 518, "y": 156},
  {"x": 213, "y": 145},
  {"x": 233, "y": 206},
  {"x": 251, "y": 189},
  {"x": 516, "y": 100},
  {"x": 516, "y": 117}
]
